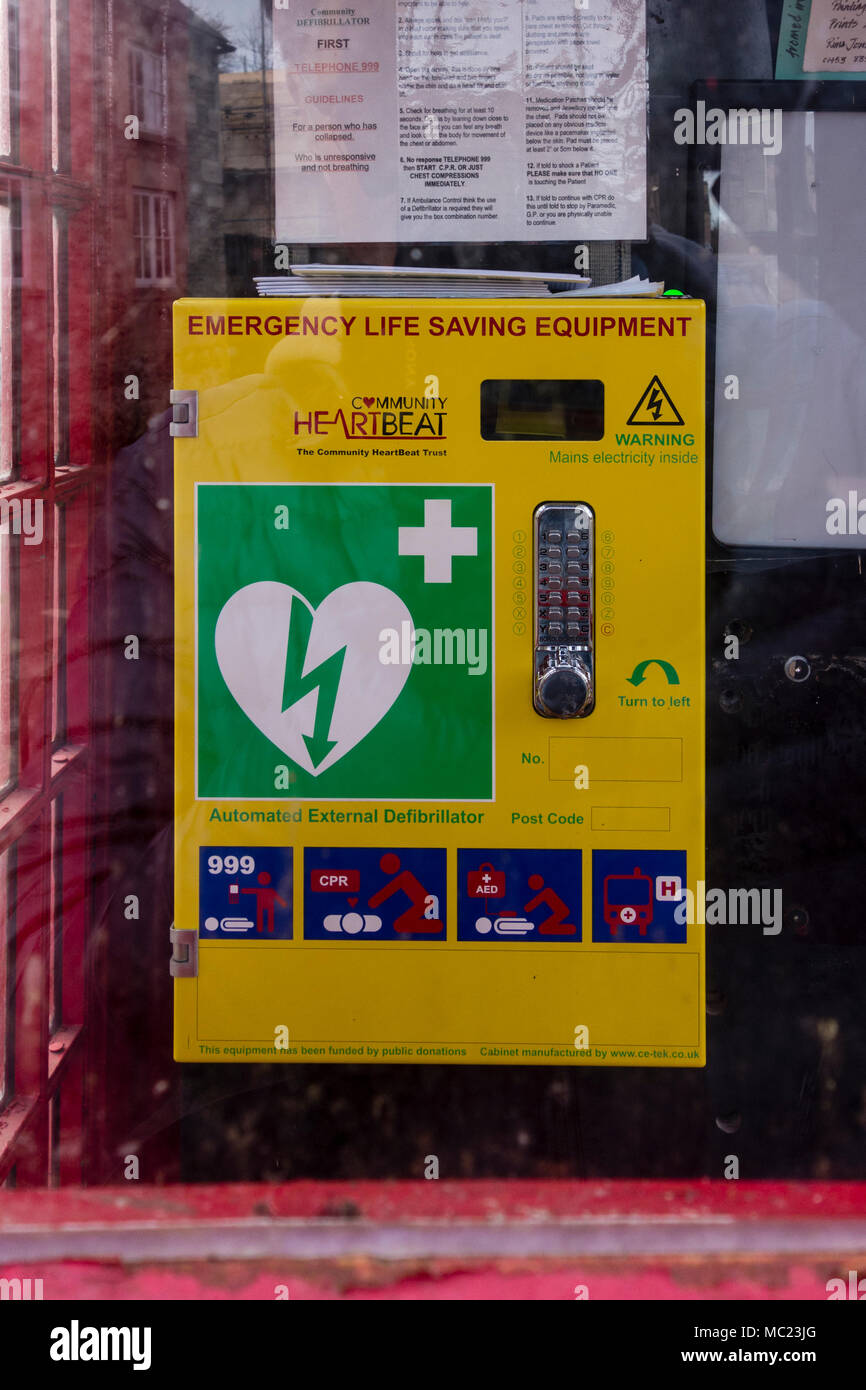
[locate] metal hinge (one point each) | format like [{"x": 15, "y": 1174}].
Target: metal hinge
[
  {"x": 184, "y": 953},
  {"x": 184, "y": 424}
]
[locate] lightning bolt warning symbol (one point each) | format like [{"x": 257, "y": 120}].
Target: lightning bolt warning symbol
[
  {"x": 655, "y": 407},
  {"x": 325, "y": 678}
]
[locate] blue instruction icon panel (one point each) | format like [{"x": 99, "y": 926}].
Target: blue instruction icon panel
[
  {"x": 636, "y": 893},
  {"x": 245, "y": 893},
  {"x": 374, "y": 894},
  {"x": 519, "y": 894}
]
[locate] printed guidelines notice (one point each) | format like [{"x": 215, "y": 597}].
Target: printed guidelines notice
[{"x": 506, "y": 120}]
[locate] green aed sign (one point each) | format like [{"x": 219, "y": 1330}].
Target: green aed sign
[{"x": 344, "y": 641}]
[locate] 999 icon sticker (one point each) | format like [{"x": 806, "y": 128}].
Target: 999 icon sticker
[{"x": 245, "y": 893}]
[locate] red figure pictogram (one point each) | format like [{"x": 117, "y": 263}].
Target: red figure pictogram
[
  {"x": 556, "y": 924},
  {"x": 413, "y": 919},
  {"x": 265, "y": 899}
]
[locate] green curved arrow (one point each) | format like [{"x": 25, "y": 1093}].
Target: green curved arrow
[
  {"x": 325, "y": 677},
  {"x": 637, "y": 676}
]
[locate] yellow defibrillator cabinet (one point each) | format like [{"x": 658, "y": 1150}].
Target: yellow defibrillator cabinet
[{"x": 439, "y": 680}]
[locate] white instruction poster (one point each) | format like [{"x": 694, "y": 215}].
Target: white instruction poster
[
  {"x": 836, "y": 40},
  {"x": 460, "y": 120}
]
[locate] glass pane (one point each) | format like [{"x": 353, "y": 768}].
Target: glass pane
[
  {"x": 60, "y": 337},
  {"x": 54, "y": 1139},
  {"x": 159, "y": 205},
  {"x": 154, "y": 96},
  {"x": 144, "y": 231},
  {"x": 59, "y": 53},
  {"x": 5, "y": 974},
  {"x": 9, "y": 95},
  {"x": 58, "y": 635},
  {"x": 8, "y": 624},
  {"x": 7, "y": 346},
  {"x": 5, "y": 94},
  {"x": 135, "y": 83},
  {"x": 55, "y": 964}
]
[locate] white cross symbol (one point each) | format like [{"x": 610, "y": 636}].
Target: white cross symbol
[
  {"x": 437, "y": 540},
  {"x": 485, "y": 878}
]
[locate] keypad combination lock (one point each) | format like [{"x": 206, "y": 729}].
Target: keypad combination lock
[{"x": 563, "y": 674}]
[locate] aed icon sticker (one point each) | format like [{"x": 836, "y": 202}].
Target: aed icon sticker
[
  {"x": 344, "y": 641},
  {"x": 244, "y": 893},
  {"x": 386, "y": 894},
  {"x": 635, "y": 894},
  {"x": 519, "y": 895}
]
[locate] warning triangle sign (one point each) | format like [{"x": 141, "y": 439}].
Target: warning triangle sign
[{"x": 655, "y": 407}]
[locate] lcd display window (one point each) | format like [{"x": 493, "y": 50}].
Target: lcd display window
[{"x": 542, "y": 410}]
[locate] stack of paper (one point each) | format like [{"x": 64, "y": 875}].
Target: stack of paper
[
  {"x": 623, "y": 287},
  {"x": 395, "y": 282},
  {"x": 407, "y": 282}
]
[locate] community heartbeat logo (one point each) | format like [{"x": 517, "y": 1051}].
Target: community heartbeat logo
[{"x": 379, "y": 417}]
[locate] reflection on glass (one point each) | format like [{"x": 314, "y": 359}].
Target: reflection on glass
[
  {"x": 147, "y": 88},
  {"x": 55, "y": 963},
  {"x": 5, "y": 83},
  {"x": 5, "y": 976},
  {"x": 60, "y": 337},
  {"x": 58, "y": 631},
  {"x": 790, "y": 417},
  {"x": 153, "y": 234},
  {"x": 59, "y": 58},
  {"x": 7, "y": 672},
  {"x": 54, "y": 1140},
  {"x": 6, "y": 362}
]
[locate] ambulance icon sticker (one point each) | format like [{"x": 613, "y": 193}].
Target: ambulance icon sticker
[
  {"x": 345, "y": 641},
  {"x": 635, "y": 894}
]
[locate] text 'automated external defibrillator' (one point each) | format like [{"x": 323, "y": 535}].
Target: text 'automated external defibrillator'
[{"x": 439, "y": 680}]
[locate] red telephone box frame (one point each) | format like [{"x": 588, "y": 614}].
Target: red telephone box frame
[
  {"x": 49, "y": 180},
  {"x": 434, "y": 1240},
  {"x": 368, "y": 1240}
]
